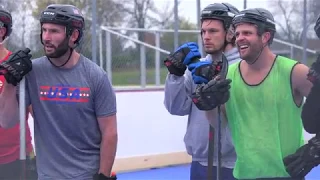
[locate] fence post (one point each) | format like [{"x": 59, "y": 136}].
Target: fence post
[
  {"x": 94, "y": 31},
  {"x": 291, "y": 52},
  {"x": 109, "y": 56},
  {"x": 100, "y": 49},
  {"x": 143, "y": 74},
  {"x": 157, "y": 60}
]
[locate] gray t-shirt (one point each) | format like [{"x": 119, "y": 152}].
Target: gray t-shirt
[{"x": 66, "y": 104}]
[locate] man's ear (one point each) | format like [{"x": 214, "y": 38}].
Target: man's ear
[
  {"x": 3, "y": 32},
  {"x": 266, "y": 37},
  {"x": 74, "y": 36},
  {"x": 230, "y": 34}
]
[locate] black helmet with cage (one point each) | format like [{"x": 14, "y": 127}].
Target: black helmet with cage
[
  {"x": 67, "y": 15},
  {"x": 6, "y": 21},
  {"x": 317, "y": 27},
  {"x": 224, "y": 12},
  {"x": 260, "y": 17}
]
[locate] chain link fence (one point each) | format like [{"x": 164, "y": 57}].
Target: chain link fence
[
  {"x": 292, "y": 51},
  {"x": 130, "y": 61},
  {"x": 131, "y": 56},
  {"x": 139, "y": 61}
]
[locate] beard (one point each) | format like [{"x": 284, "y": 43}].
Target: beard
[
  {"x": 253, "y": 54},
  {"x": 214, "y": 49},
  {"x": 59, "y": 50}
]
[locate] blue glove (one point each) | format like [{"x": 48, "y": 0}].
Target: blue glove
[
  {"x": 201, "y": 72},
  {"x": 191, "y": 51},
  {"x": 205, "y": 71}
]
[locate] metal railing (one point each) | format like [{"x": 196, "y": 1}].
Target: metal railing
[{"x": 156, "y": 47}]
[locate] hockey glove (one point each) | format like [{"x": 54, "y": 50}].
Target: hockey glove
[
  {"x": 314, "y": 72},
  {"x": 204, "y": 71},
  {"x": 208, "y": 96},
  {"x": 184, "y": 55},
  {"x": 299, "y": 164},
  {"x": 17, "y": 66},
  {"x": 103, "y": 177}
]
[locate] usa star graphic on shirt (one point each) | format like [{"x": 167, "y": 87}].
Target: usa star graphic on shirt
[{"x": 64, "y": 94}]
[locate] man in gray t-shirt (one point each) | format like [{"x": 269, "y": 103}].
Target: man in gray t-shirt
[{"x": 74, "y": 105}]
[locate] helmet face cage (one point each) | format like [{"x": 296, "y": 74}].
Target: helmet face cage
[
  {"x": 71, "y": 20},
  {"x": 317, "y": 27},
  {"x": 6, "y": 20}
]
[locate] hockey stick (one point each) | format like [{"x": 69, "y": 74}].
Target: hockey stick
[
  {"x": 211, "y": 149},
  {"x": 223, "y": 73},
  {"x": 219, "y": 146},
  {"x": 210, "y": 152},
  {"x": 22, "y": 116},
  {"x": 221, "y": 66}
]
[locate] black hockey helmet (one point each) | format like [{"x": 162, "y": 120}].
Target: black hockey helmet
[
  {"x": 6, "y": 20},
  {"x": 261, "y": 17},
  {"x": 67, "y": 15},
  {"x": 221, "y": 11},
  {"x": 317, "y": 27}
]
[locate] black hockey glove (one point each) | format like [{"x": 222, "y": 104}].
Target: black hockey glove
[
  {"x": 299, "y": 164},
  {"x": 177, "y": 62},
  {"x": 17, "y": 66},
  {"x": 314, "y": 72},
  {"x": 103, "y": 177},
  {"x": 208, "y": 96}
]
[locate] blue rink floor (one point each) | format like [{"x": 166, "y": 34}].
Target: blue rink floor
[{"x": 181, "y": 173}]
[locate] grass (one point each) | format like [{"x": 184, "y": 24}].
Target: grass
[{"x": 132, "y": 77}]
